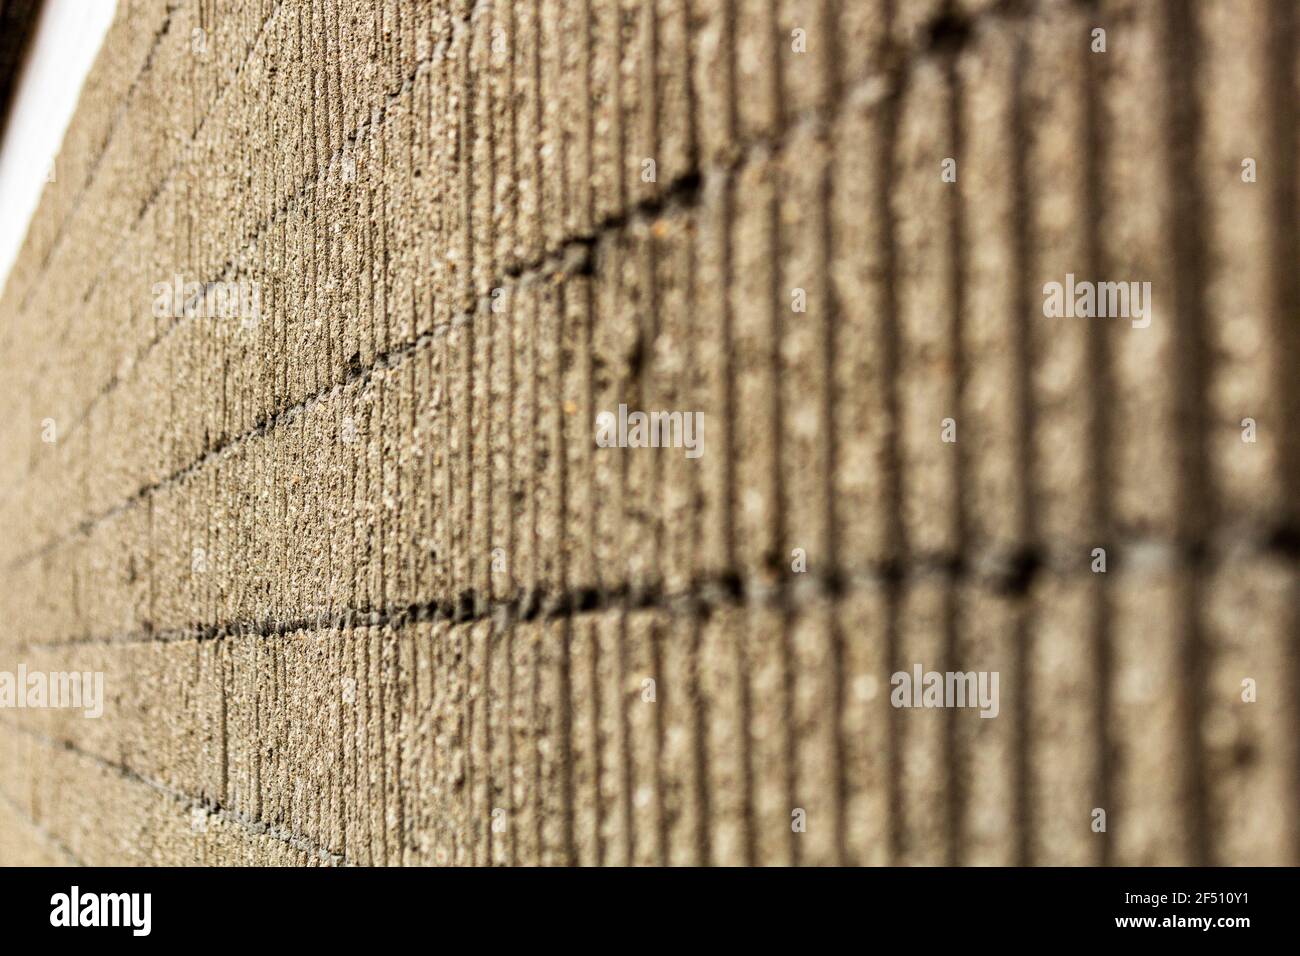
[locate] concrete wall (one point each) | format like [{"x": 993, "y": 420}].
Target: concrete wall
[{"x": 362, "y": 586}]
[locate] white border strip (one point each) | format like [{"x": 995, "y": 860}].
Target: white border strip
[{"x": 68, "y": 36}]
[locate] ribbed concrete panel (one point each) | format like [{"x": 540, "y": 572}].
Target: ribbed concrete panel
[{"x": 912, "y": 560}]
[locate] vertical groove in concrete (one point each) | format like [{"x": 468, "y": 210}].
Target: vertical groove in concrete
[{"x": 1184, "y": 57}]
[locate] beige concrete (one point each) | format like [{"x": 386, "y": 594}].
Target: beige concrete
[{"x": 364, "y": 589}]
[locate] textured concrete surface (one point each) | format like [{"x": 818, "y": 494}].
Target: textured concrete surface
[{"x": 362, "y": 585}]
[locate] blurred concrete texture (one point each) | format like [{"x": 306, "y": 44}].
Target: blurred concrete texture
[{"x": 364, "y": 588}]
